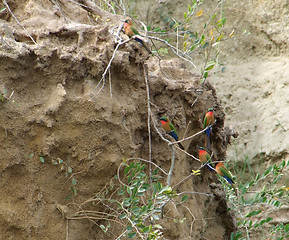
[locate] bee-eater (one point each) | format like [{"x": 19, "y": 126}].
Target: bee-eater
[
  {"x": 205, "y": 158},
  {"x": 170, "y": 129},
  {"x": 224, "y": 172},
  {"x": 131, "y": 31},
  {"x": 208, "y": 120}
]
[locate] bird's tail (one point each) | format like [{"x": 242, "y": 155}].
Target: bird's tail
[
  {"x": 207, "y": 140},
  {"x": 175, "y": 136},
  {"x": 181, "y": 146},
  {"x": 232, "y": 184},
  {"x": 210, "y": 167}
]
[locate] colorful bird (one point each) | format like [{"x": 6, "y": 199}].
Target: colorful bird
[
  {"x": 205, "y": 158},
  {"x": 208, "y": 120},
  {"x": 224, "y": 172},
  {"x": 170, "y": 129},
  {"x": 131, "y": 31}
]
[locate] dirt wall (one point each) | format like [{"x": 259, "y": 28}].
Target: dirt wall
[{"x": 63, "y": 123}]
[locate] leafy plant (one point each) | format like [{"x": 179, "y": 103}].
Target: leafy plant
[
  {"x": 141, "y": 202},
  {"x": 263, "y": 190}
]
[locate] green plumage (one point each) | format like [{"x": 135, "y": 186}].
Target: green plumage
[
  {"x": 226, "y": 173},
  {"x": 134, "y": 31}
]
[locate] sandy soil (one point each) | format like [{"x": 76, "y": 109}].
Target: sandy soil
[{"x": 52, "y": 116}]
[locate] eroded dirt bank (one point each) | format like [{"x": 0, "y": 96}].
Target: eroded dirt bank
[{"x": 58, "y": 111}]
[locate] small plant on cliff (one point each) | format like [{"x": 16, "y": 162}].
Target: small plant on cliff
[
  {"x": 255, "y": 195},
  {"x": 132, "y": 203},
  {"x": 141, "y": 202}
]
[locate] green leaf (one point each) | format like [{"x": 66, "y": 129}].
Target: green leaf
[
  {"x": 210, "y": 65},
  {"x": 146, "y": 229},
  {"x": 253, "y": 213},
  {"x": 129, "y": 227},
  {"x": 136, "y": 211},
  {"x": 269, "y": 170},
  {"x": 265, "y": 220},
  {"x": 185, "y": 15},
  {"x": 127, "y": 202},
  {"x": 73, "y": 189},
  {"x": 42, "y": 159},
  {"x": 165, "y": 190},
  {"x": 73, "y": 181},
  {"x": 122, "y": 216},
  {"x": 205, "y": 75},
  {"x": 69, "y": 169},
  {"x": 129, "y": 190},
  {"x": 185, "y": 198},
  {"x": 102, "y": 227},
  {"x": 158, "y": 226},
  {"x": 131, "y": 235},
  {"x": 286, "y": 228}
]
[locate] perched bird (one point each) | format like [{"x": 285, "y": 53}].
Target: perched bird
[
  {"x": 170, "y": 129},
  {"x": 224, "y": 172},
  {"x": 208, "y": 120},
  {"x": 131, "y": 31},
  {"x": 205, "y": 158}
]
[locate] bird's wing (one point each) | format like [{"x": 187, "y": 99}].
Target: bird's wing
[
  {"x": 134, "y": 31},
  {"x": 205, "y": 121},
  {"x": 208, "y": 157},
  {"x": 173, "y": 128},
  {"x": 226, "y": 173}
]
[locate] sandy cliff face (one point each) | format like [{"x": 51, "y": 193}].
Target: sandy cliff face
[{"x": 60, "y": 111}]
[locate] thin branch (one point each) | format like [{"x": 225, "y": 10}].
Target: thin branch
[
  {"x": 174, "y": 49},
  {"x": 140, "y": 159},
  {"x": 102, "y": 80},
  {"x": 88, "y": 7},
  {"x": 149, "y": 118},
  {"x": 183, "y": 180},
  {"x": 110, "y": 6},
  {"x": 192, "y": 136},
  {"x": 118, "y": 39},
  {"x": 172, "y": 166},
  {"x": 109, "y": 81},
  {"x": 123, "y": 7},
  {"x": 6, "y": 4},
  {"x": 5, "y": 42},
  {"x": 67, "y": 229},
  {"x": 187, "y": 129},
  {"x": 206, "y": 194}
]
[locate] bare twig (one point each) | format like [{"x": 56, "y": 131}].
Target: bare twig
[
  {"x": 118, "y": 39},
  {"x": 109, "y": 80},
  {"x": 110, "y": 6},
  {"x": 149, "y": 118},
  {"x": 139, "y": 159},
  {"x": 7, "y": 6},
  {"x": 5, "y": 42},
  {"x": 187, "y": 128},
  {"x": 67, "y": 229},
  {"x": 206, "y": 194},
  {"x": 102, "y": 80},
  {"x": 123, "y": 7},
  {"x": 183, "y": 180},
  {"x": 172, "y": 166},
  {"x": 144, "y": 160},
  {"x": 192, "y": 136},
  {"x": 174, "y": 49}
]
